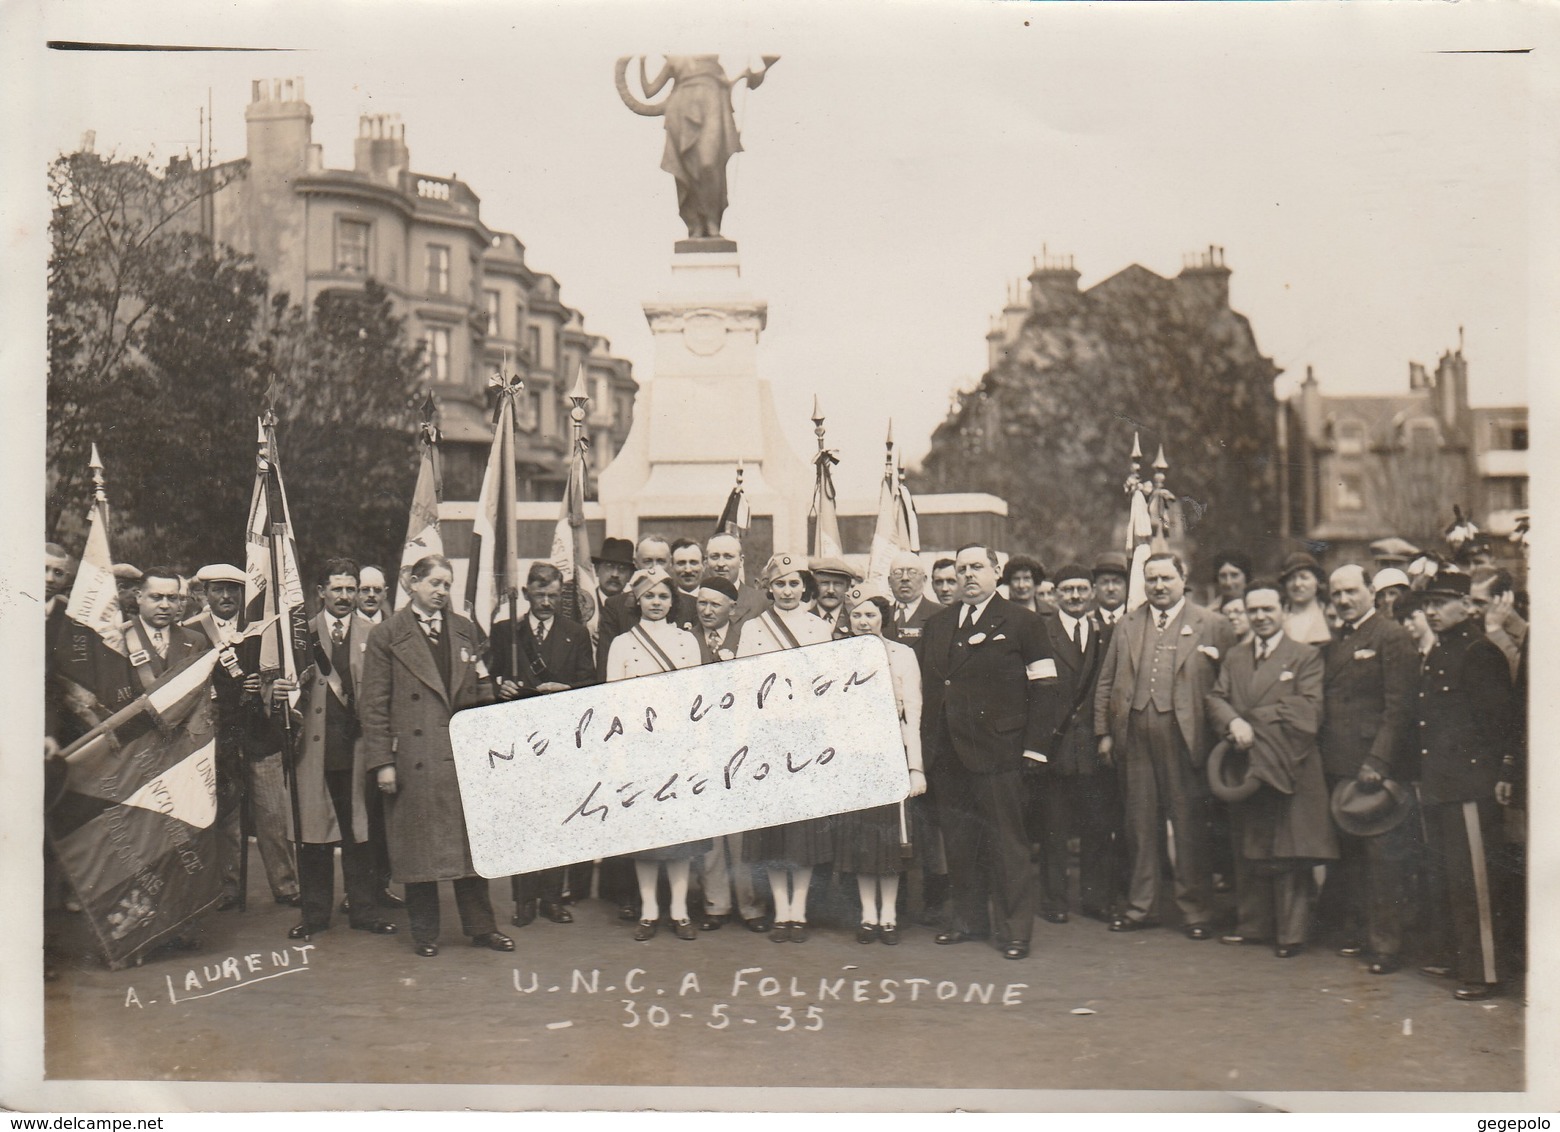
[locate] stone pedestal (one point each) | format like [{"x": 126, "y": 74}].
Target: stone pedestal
[{"x": 704, "y": 410}]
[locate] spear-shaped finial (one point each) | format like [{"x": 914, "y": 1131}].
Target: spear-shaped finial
[
  {"x": 1137, "y": 447},
  {"x": 1160, "y": 463},
  {"x": 95, "y": 465},
  {"x": 430, "y": 418}
]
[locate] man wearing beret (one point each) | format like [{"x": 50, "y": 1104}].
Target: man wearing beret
[
  {"x": 1371, "y": 669},
  {"x": 989, "y": 685},
  {"x": 1467, "y": 727}
]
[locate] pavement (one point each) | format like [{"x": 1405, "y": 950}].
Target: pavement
[{"x": 583, "y": 1004}]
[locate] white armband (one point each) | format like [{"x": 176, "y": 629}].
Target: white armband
[{"x": 1041, "y": 669}]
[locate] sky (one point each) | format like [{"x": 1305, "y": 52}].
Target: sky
[{"x": 1373, "y": 193}]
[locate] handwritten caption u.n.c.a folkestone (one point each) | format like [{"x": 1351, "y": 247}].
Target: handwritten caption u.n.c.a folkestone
[{"x": 676, "y": 757}]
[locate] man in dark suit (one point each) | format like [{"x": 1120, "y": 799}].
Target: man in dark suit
[
  {"x": 621, "y": 613},
  {"x": 1150, "y": 722},
  {"x": 1371, "y": 673},
  {"x": 912, "y": 609},
  {"x": 155, "y": 641},
  {"x": 1268, "y": 702},
  {"x": 724, "y": 558},
  {"x": 1073, "y": 794},
  {"x": 547, "y": 652},
  {"x": 330, "y": 776},
  {"x": 989, "y": 702},
  {"x": 1110, "y": 587},
  {"x": 1467, "y": 725}
]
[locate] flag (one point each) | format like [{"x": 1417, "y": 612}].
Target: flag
[
  {"x": 422, "y": 525},
  {"x": 135, "y": 827},
  {"x": 1140, "y": 528},
  {"x": 571, "y": 546},
  {"x": 493, "y": 573},
  {"x": 826, "y": 522},
  {"x": 273, "y": 592},
  {"x": 735, "y": 517},
  {"x": 896, "y": 530},
  {"x": 87, "y": 662}
]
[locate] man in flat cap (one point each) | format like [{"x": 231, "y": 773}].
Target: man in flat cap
[
  {"x": 1467, "y": 727},
  {"x": 912, "y": 610},
  {"x": 245, "y": 744},
  {"x": 833, "y": 578},
  {"x": 1110, "y": 587}
]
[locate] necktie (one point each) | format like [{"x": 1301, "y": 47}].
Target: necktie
[
  {"x": 160, "y": 642},
  {"x": 338, "y": 632},
  {"x": 431, "y": 627},
  {"x": 541, "y": 631},
  {"x": 899, "y": 615},
  {"x": 1162, "y": 616},
  {"x": 1077, "y": 634},
  {"x": 713, "y": 637}
]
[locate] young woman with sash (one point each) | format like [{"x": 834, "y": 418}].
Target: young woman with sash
[
  {"x": 652, "y": 645},
  {"x": 789, "y": 851},
  {"x": 873, "y": 843}
]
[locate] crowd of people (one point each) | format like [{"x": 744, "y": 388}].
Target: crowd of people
[{"x": 1343, "y": 750}]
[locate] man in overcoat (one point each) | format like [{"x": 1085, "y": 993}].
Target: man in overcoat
[
  {"x": 1268, "y": 703},
  {"x": 421, "y": 666},
  {"x": 1371, "y": 675},
  {"x": 330, "y": 777},
  {"x": 989, "y": 701},
  {"x": 1150, "y": 722}
]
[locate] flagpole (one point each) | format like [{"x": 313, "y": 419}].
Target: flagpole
[
  {"x": 579, "y": 400},
  {"x": 279, "y": 532}
]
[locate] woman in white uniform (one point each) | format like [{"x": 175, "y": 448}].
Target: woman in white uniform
[
  {"x": 653, "y": 645},
  {"x": 789, "y": 851},
  {"x": 867, "y": 842}
]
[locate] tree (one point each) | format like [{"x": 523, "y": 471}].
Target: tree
[
  {"x": 165, "y": 348},
  {"x": 1050, "y": 427}
]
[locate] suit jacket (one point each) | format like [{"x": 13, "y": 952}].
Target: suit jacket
[
  {"x": 910, "y": 632},
  {"x": 751, "y": 601},
  {"x": 316, "y": 812},
  {"x": 621, "y": 613},
  {"x": 729, "y": 642},
  {"x": 1074, "y": 749},
  {"x": 566, "y": 653},
  {"x": 182, "y": 645},
  {"x": 405, "y": 709},
  {"x": 1468, "y": 716},
  {"x": 1288, "y": 818},
  {"x": 980, "y": 704},
  {"x": 1202, "y": 641},
  {"x": 1370, "y": 681}
]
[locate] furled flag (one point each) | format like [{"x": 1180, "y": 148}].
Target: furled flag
[
  {"x": 135, "y": 826},
  {"x": 735, "y": 517},
  {"x": 92, "y": 678},
  {"x": 571, "y": 541},
  {"x": 824, "y": 515},
  {"x": 422, "y": 525},
  {"x": 273, "y": 592},
  {"x": 492, "y": 577},
  {"x": 896, "y": 530},
  {"x": 1140, "y": 526}
]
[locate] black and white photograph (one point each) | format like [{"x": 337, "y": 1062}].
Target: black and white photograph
[{"x": 675, "y": 556}]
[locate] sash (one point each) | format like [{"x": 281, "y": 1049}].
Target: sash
[
  {"x": 657, "y": 654},
  {"x": 531, "y": 647},
  {"x": 328, "y": 670},
  {"x": 779, "y": 629},
  {"x": 225, "y": 653},
  {"x": 143, "y": 658}
]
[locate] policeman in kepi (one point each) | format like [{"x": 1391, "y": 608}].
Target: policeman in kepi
[{"x": 1467, "y": 726}]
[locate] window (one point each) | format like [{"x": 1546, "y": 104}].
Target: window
[
  {"x": 532, "y": 418},
  {"x": 1507, "y": 493},
  {"x": 1351, "y": 492},
  {"x": 533, "y": 345},
  {"x": 1423, "y": 438},
  {"x": 436, "y": 343},
  {"x": 1508, "y": 436},
  {"x": 492, "y": 298},
  {"x": 438, "y": 269},
  {"x": 1350, "y": 438},
  {"x": 352, "y": 246}
]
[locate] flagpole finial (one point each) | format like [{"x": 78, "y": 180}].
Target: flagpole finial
[
  {"x": 1137, "y": 447},
  {"x": 1160, "y": 462},
  {"x": 430, "y": 418},
  {"x": 96, "y": 462},
  {"x": 817, "y": 413},
  {"x": 739, "y": 475},
  {"x": 579, "y": 396},
  {"x": 95, "y": 465}
]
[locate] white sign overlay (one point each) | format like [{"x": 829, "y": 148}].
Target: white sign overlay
[{"x": 660, "y": 760}]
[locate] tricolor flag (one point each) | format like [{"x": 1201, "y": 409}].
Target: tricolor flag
[
  {"x": 273, "y": 592},
  {"x": 89, "y": 653},
  {"x": 422, "y": 525},
  {"x": 897, "y": 529},
  {"x": 135, "y": 825},
  {"x": 571, "y": 546},
  {"x": 735, "y": 517},
  {"x": 492, "y": 578}
]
